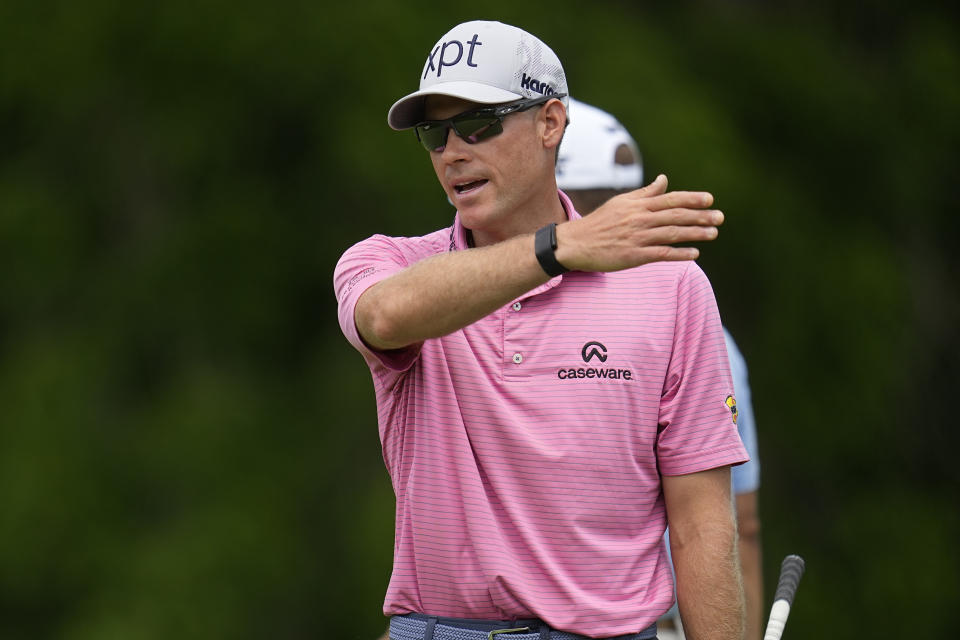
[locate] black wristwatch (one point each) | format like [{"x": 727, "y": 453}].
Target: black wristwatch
[{"x": 544, "y": 245}]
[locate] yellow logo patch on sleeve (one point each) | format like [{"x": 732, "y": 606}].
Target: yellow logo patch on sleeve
[{"x": 731, "y": 403}]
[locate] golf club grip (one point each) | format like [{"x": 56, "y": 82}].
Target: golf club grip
[{"x": 791, "y": 570}]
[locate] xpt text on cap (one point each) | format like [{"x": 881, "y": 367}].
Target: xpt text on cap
[{"x": 442, "y": 48}]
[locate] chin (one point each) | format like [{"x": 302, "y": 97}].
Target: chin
[{"x": 477, "y": 217}]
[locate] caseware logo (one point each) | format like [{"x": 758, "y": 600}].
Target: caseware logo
[{"x": 594, "y": 350}]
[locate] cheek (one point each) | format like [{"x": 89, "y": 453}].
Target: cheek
[
  {"x": 437, "y": 168},
  {"x": 521, "y": 162},
  {"x": 515, "y": 155}
]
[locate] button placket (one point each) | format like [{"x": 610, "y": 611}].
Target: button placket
[{"x": 518, "y": 345}]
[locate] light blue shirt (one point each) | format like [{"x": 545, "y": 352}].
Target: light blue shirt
[{"x": 745, "y": 477}]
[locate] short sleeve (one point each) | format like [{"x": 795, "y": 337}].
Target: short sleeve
[
  {"x": 359, "y": 268},
  {"x": 697, "y": 427}
]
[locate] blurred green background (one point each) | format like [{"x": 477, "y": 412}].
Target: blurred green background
[{"x": 188, "y": 445}]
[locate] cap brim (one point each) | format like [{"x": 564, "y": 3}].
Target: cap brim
[{"x": 408, "y": 111}]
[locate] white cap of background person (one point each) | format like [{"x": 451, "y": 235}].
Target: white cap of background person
[
  {"x": 597, "y": 152},
  {"x": 485, "y": 62}
]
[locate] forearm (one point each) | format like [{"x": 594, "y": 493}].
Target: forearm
[
  {"x": 748, "y": 527},
  {"x": 447, "y": 292},
  {"x": 709, "y": 589},
  {"x": 703, "y": 542},
  {"x": 752, "y": 586}
]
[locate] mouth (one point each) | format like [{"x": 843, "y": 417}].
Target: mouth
[{"x": 464, "y": 188}]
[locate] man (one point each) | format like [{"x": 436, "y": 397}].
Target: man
[
  {"x": 536, "y": 372},
  {"x": 598, "y": 160}
]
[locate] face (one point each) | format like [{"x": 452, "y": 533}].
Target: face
[{"x": 495, "y": 183}]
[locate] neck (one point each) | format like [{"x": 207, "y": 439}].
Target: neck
[{"x": 528, "y": 218}]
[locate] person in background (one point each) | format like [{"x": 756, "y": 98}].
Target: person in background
[{"x": 599, "y": 159}]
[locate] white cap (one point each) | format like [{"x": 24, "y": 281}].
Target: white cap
[
  {"x": 588, "y": 154},
  {"x": 485, "y": 62}
]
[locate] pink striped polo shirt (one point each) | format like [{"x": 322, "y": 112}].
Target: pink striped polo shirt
[{"x": 525, "y": 449}]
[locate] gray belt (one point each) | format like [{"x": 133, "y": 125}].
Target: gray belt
[{"x": 414, "y": 626}]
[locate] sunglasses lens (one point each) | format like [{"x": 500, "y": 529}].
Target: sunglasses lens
[
  {"x": 471, "y": 128},
  {"x": 433, "y": 135},
  {"x": 474, "y": 129}
]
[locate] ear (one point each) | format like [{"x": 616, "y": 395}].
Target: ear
[{"x": 554, "y": 116}]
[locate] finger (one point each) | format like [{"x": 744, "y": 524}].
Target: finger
[
  {"x": 676, "y": 199},
  {"x": 671, "y": 254},
  {"x": 679, "y": 217},
  {"x": 655, "y": 188},
  {"x": 670, "y": 235}
]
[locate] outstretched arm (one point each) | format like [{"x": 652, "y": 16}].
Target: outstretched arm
[{"x": 447, "y": 292}]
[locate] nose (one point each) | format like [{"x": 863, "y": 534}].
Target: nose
[{"x": 455, "y": 148}]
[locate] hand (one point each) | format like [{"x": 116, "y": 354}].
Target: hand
[{"x": 638, "y": 227}]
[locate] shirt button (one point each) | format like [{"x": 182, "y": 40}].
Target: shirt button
[
  {"x": 518, "y": 358},
  {"x": 517, "y": 306}
]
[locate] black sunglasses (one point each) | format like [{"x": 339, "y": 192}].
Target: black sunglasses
[{"x": 473, "y": 126}]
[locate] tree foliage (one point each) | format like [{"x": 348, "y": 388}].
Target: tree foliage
[{"x": 188, "y": 446}]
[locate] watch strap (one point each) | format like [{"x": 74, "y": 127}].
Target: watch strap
[{"x": 545, "y": 245}]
